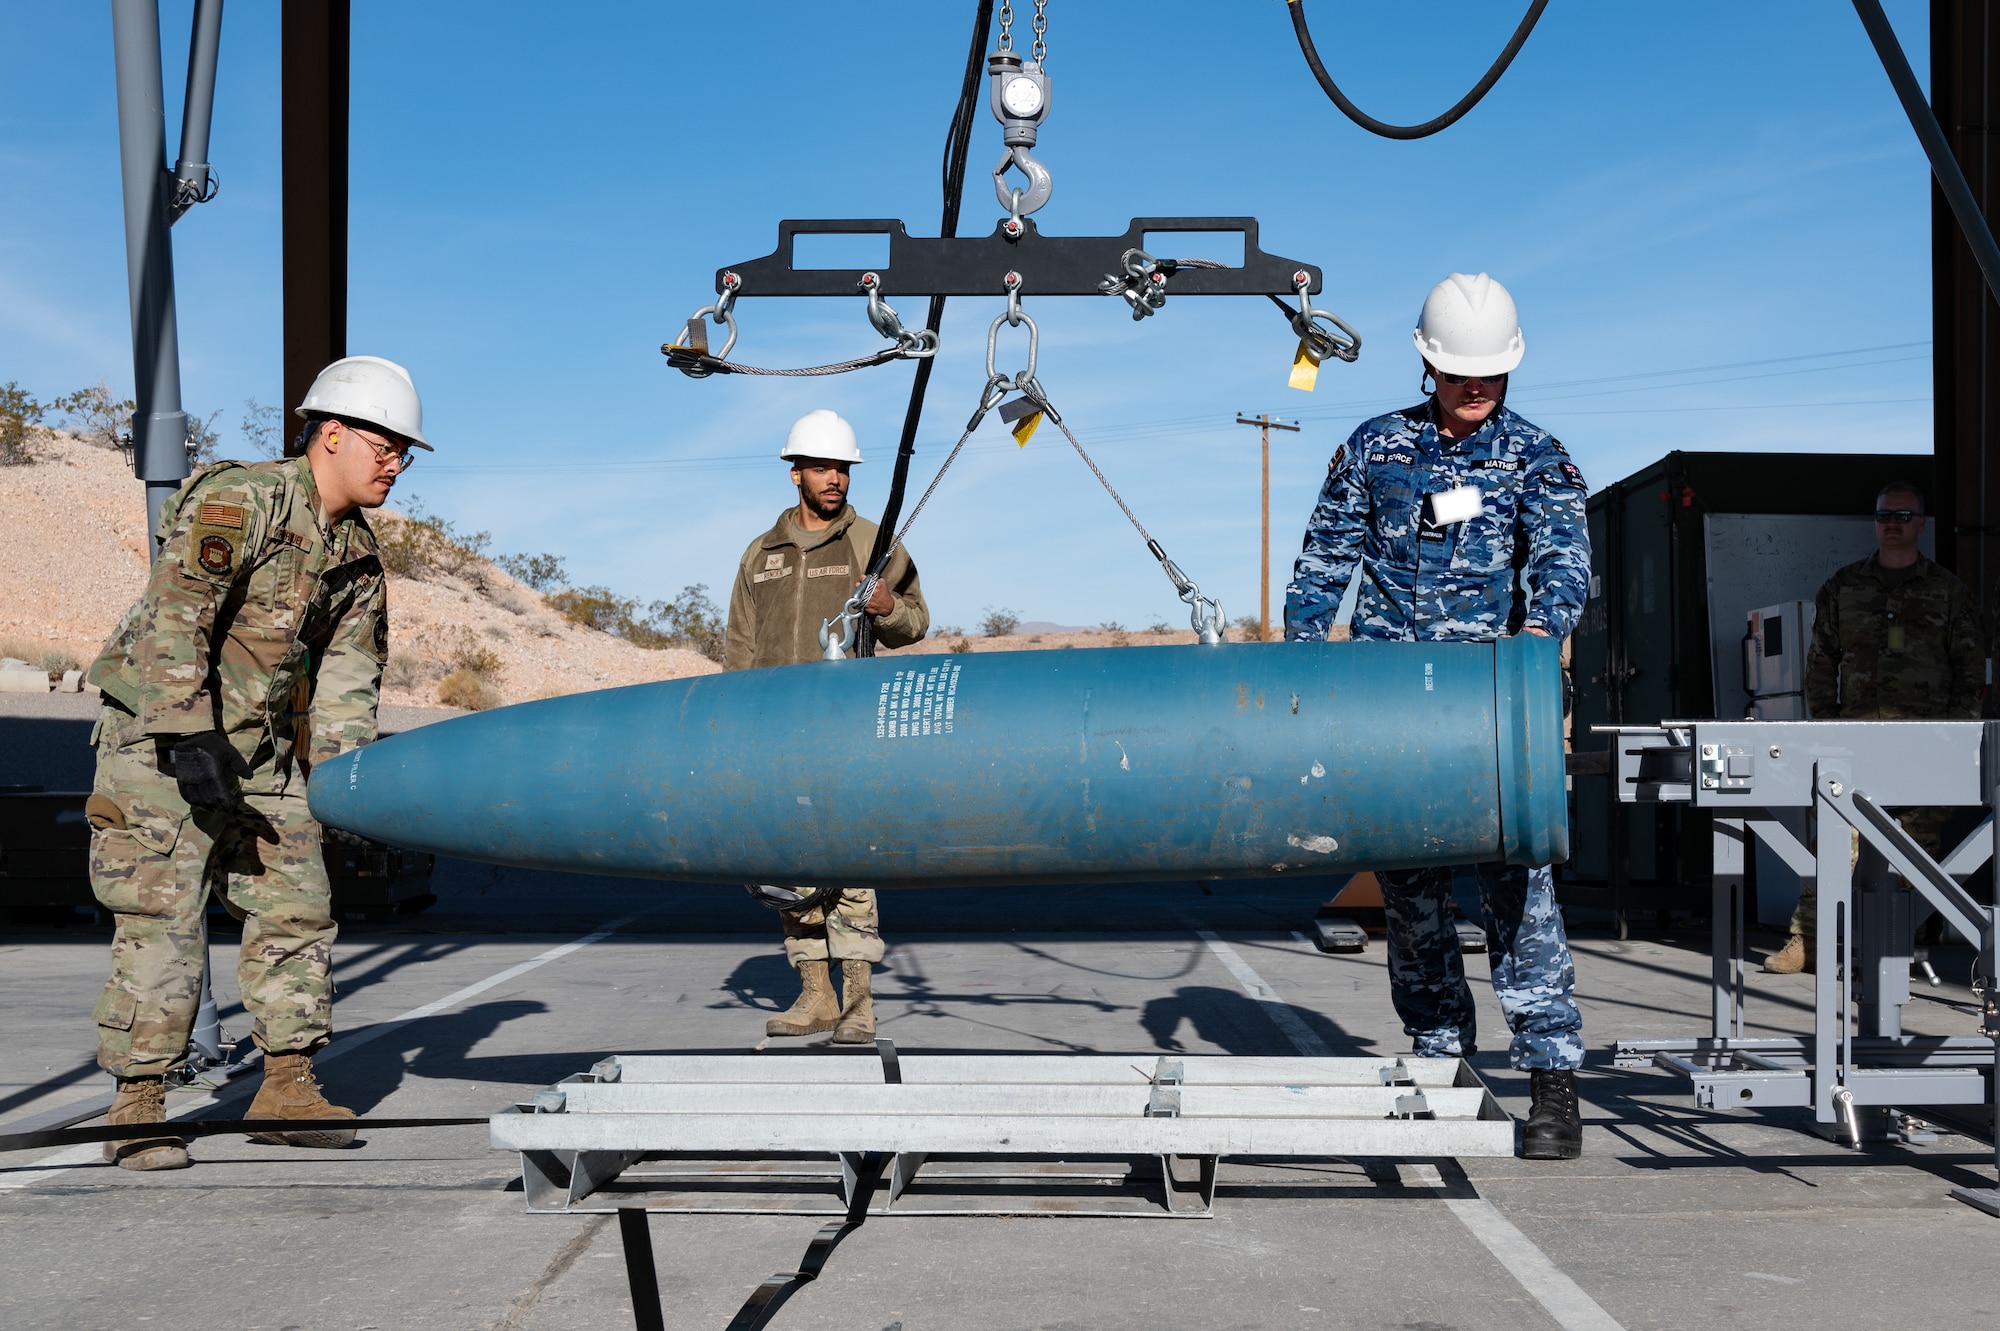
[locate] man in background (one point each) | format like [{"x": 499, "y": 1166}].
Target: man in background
[
  {"x": 792, "y": 579},
  {"x": 1896, "y": 636}
]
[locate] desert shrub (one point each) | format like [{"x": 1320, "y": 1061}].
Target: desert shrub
[
  {"x": 55, "y": 661},
  {"x": 468, "y": 690},
  {"x": 1159, "y": 626},
  {"x": 544, "y": 573},
  {"x": 98, "y": 417},
  {"x": 262, "y": 428},
  {"x": 420, "y": 545},
  {"x": 1110, "y": 626},
  {"x": 961, "y": 644},
  {"x": 947, "y": 631},
  {"x": 202, "y": 440},
  {"x": 999, "y": 623},
  {"x": 20, "y": 420},
  {"x": 597, "y": 608},
  {"x": 460, "y": 649},
  {"x": 403, "y": 671},
  {"x": 691, "y": 621}
]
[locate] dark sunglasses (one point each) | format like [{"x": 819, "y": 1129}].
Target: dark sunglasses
[
  {"x": 1460, "y": 380},
  {"x": 1899, "y": 516}
]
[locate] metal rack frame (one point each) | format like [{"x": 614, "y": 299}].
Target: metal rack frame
[{"x": 1858, "y": 1066}]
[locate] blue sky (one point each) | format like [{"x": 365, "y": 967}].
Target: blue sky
[{"x": 1713, "y": 216}]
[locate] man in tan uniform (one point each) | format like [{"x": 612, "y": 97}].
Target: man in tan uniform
[
  {"x": 792, "y": 579},
  {"x": 255, "y": 652}
]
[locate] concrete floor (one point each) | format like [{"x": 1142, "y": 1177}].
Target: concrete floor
[{"x": 1673, "y": 1217}]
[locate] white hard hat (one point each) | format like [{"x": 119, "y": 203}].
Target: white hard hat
[
  {"x": 368, "y": 391},
  {"x": 1469, "y": 326},
  {"x": 821, "y": 434}
]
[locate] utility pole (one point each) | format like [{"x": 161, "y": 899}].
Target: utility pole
[{"x": 1265, "y": 424}]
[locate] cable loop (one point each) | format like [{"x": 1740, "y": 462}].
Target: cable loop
[{"x": 1429, "y": 127}]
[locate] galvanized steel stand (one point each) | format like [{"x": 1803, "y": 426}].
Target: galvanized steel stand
[
  {"x": 972, "y": 1134},
  {"x": 1858, "y": 1068}
]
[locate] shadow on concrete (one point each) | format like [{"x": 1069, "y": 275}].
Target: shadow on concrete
[
  {"x": 439, "y": 1049},
  {"x": 1238, "y": 1024}
]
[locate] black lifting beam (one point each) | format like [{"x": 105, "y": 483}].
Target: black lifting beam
[{"x": 1048, "y": 265}]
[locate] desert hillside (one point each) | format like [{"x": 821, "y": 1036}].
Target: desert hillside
[{"x": 73, "y": 557}]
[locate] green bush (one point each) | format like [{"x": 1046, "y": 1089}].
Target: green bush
[
  {"x": 20, "y": 416},
  {"x": 999, "y": 623}
]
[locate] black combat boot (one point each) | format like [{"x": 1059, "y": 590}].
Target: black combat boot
[{"x": 1555, "y": 1129}]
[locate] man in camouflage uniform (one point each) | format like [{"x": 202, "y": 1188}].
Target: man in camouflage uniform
[
  {"x": 1895, "y": 637},
  {"x": 254, "y": 653},
  {"x": 791, "y": 580},
  {"x": 1458, "y": 521}
]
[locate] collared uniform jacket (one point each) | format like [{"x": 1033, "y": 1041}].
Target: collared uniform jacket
[
  {"x": 1522, "y": 562},
  {"x": 1909, "y": 650},
  {"x": 792, "y": 580},
  {"x": 260, "y": 620}
]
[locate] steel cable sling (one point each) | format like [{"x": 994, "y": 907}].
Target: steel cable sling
[
  {"x": 1205, "y": 612},
  {"x": 1428, "y": 127}
]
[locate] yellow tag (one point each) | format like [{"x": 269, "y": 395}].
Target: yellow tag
[
  {"x": 1024, "y": 429},
  {"x": 1896, "y": 638},
  {"x": 1305, "y": 370}
]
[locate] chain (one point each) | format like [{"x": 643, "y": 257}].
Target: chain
[
  {"x": 1041, "y": 30},
  {"x": 1006, "y": 26}
]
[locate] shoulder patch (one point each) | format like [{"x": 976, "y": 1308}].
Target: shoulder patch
[
  {"x": 213, "y": 514},
  {"x": 215, "y": 554}
]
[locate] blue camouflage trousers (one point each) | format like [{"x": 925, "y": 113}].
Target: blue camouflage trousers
[{"x": 1532, "y": 971}]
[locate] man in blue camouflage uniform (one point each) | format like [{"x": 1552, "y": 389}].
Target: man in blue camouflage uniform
[{"x": 1458, "y": 521}]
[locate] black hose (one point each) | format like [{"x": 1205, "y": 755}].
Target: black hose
[
  {"x": 957, "y": 143},
  {"x": 1429, "y": 127}
]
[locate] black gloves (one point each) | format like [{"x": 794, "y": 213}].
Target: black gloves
[{"x": 199, "y": 764}]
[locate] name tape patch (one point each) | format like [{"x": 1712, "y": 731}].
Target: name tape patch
[
  {"x": 828, "y": 570},
  {"x": 771, "y": 573}
]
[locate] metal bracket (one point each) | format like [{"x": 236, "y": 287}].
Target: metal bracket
[{"x": 978, "y": 265}]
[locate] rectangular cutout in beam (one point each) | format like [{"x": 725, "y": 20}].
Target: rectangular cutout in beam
[{"x": 844, "y": 249}]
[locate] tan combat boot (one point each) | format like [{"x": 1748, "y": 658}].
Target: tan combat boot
[
  {"x": 815, "y": 1009},
  {"x": 290, "y": 1091},
  {"x": 143, "y": 1100},
  {"x": 1796, "y": 957},
  {"x": 857, "y": 1008}
]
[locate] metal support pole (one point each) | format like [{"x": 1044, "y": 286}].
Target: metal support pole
[
  {"x": 1265, "y": 425},
  {"x": 1830, "y": 1013},
  {"x": 1725, "y": 961},
  {"x": 193, "y": 182},
  {"x": 159, "y": 426},
  {"x": 1988, "y": 1199},
  {"x": 1950, "y": 179},
  {"x": 314, "y": 96}
]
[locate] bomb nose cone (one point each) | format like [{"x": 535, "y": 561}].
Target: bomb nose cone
[{"x": 1243, "y": 760}]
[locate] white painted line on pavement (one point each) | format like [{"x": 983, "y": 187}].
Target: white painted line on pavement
[
  {"x": 70, "y": 1157},
  {"x": 394, "y": 1024},
  {"x": 1561, "y": 1297},
  {"x": 1279, "y": 1011}
]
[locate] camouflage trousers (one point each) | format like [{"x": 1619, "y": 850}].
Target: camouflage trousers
[
  {"x": 155, "y": 873},
  {"x": 850, "y": 931},
  {"x": 1926, "y": 825},
  {"x": 1526, "y": 946}
]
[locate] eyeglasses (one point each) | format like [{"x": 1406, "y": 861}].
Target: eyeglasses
[
  {"x": 1460, "y": 380},
  {"x": 404, "y": 457},
  {"x": 1898, "y": 516}
]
